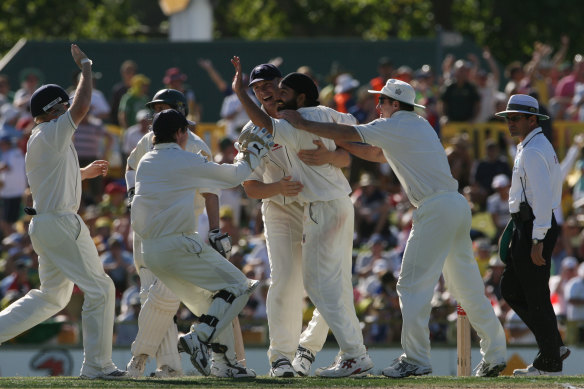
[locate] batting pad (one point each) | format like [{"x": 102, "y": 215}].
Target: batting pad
[
  {"x": 155, "y": 318},
  {"x": 167, "y": 353},
  {"x": 224, "y": 312},
  {"x": 226, "y": 339}
]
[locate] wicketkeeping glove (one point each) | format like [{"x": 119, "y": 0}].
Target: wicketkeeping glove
[
  {"x": 221, "y": 242},
  {"x": 253, "y": 145}
]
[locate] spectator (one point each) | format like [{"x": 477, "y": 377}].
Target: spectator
[
  {"x": 30, "y": 80},
  {"x": 566, "y": 88},
  {"x": 498, "y": 203},
  {"x": 487, "y": 84},
  {"x": 384, "y": 71},
  {"x": 483, "y": 253},
  {"x": 568, "y": 270},
  {"x": 514, "y": 73},
  {"x": 9, "y": 117},
  {"x": 175, "y": 79},
  {"x": 6, "y": 95},
  {"x": 574, "y": 297},
  {"x": 134, "y": 133},
  {"x": 118, "y": 264},
  {"x": 133, "y": 100},
  {"x": 345, "y": 84},
  {"x": 113, "y": 203},
  {"x": 460, "y": 100},
  {"x": 460, "y": 160},
  {"x": 13, "y": 183},
  {"x": 370, "y": 213},
  {"x": 493, "y": 275},
  {"x": 128, "y": 69},
  {"x": 492, "y": 165},
  {"x": 127, "y": 323}
]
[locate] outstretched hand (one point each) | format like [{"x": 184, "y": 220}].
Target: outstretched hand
[
  {"x": 291, "y": 116},
  {"x": 237, "y": 84},
  {"x": 315, "y": 157}
]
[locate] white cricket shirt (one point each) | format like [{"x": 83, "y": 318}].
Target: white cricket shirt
[
  {"x": 52, "y": 166},
  {"x": 166, "y": 180},
  {"x": 537, "y": 169},
  {"x": 321, "y": 183},
  {"x": 413, "y": 151},
  {"x": 195, "y": 145}
]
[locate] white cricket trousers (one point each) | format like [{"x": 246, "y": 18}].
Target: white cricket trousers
[
  {"x": 326, "y": 251},
  {"x": 67, "y": 255},
  {"x": 440, "y": 242},
  {"x": 157, "y": 333},
  {"x": 185, "y": 264},
  {"x": 283, "y": 231}
]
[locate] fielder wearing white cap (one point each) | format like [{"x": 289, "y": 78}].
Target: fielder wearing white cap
[
  {"x": 67, "y": 254},
  {"x": 536, "y": 190},
  {"x": 439, "y": 241},
  {"x": 325, "y": 203}
]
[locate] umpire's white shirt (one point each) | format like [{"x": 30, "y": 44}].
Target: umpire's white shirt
[
  {"x": 536, "y": 168},
  {"x": 166, "y": 180},
  {"x": 414, "y": 152},
  {"x": 52, "y": 166},
  {"x": 321, "y": 183}
]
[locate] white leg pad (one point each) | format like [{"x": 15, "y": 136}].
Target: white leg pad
[
  {"x": 155, "y": 319},
  {"x": 167, "y": 353},
  {"x": 223, "y": 314}
]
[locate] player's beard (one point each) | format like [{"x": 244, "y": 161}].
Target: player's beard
[{"x": 282, "y": 105}]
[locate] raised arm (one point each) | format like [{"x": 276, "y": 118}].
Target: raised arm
[
  {"x": 82, "y": 99},
  {"x": 256, "y": 115}
]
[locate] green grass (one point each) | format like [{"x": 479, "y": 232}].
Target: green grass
[{"x": 568, "y": 382}]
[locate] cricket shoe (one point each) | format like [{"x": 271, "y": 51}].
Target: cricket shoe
[
  {"x": 400, "y": 368},
  {"x": 564, "y": 352},
  {"x": 224, "y": 369},
  {"x": 303, "y": 361},
  {"x": 531, "y": 371},
  {"x": 485, "y": 369},
  {"x": 282, "y": 368},
  {"x": 117, "y": 374},
  {"x": 135, "y": 367},
  {"x": 198, "y": 351},
  {"x": 166, "y": 371},
  {"x": 347, "y": 367}
]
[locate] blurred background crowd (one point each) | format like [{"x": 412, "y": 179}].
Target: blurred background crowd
[{"x": 459, "y": 95}]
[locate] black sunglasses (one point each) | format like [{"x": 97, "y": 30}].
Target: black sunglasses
[{"x": 382, "y": 99}]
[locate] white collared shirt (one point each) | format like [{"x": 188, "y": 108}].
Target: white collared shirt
[
  {"x": 52, "y": 166},
  {"x": 195, "y": 145},
  {"x": 537, "y": 169},
  {"x": 321, "y": 183},
  {"x": 166, "y": 180},
  {"x": 414, "y": 153}
]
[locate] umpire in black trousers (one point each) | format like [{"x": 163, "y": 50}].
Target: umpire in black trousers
[{"x": 535, "y": 193}]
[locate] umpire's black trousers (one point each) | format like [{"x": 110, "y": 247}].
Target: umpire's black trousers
[{"x": 525, "y": 287}]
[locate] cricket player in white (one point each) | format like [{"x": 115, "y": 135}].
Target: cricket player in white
[
  {"x": 67, "y": 254},
  {"x": 163, "y": 216},
  {"x": 440, "y": 237},
  {"x": 327, "y": 231},
  {"x": 290, "y": 352},
  {"x": 159, "y": 304}
]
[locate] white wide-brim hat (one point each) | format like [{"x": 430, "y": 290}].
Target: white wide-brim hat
[
  {"x": 400, "y": 91},
  {"x": 522, "y": 104}
]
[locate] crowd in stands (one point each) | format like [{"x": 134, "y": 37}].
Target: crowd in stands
[{"x": 463, "y": 90}]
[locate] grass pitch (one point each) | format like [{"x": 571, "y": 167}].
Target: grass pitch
[{"x": 568, "y": 382}]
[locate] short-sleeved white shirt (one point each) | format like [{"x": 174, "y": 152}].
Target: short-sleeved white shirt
[
  {"x": 166, "y": 180},
  {"x": 321, "y": 183},
  {"x": 52, "y": 166},
  {"x": 414, "y": 153}
]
